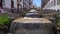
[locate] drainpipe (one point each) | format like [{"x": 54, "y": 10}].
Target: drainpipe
[{"x": 12, "y": 6}]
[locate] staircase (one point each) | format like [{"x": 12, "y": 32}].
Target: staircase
[{"x": 35, "y": 26}]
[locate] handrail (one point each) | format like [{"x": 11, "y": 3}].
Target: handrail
[{"x": 49, "y": 4}]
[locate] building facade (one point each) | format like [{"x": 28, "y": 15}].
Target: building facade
[
  {"x": 17, "y": 4},
  {"x": 27, "y": 4},
  {"x": 1, "y": 3},
  {"x": 24, "y": 3},
  {"x": 7, "y": 4},
  {"x": 44, "y": 2},
  {"x": 52, "y": 4}
]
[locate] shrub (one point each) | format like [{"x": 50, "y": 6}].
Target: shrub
[
  {"x": 58, "y": 21},
  {"x": 4, "y": 20}
]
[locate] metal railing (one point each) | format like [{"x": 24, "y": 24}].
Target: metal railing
[{"x": 49, "y": 4}]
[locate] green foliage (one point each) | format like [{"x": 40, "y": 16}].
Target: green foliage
[
  {"x": 4, "y": 20},
  {"x": 58, "y": 21}
]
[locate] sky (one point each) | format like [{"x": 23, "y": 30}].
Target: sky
[{"x": 37, "y": 2}]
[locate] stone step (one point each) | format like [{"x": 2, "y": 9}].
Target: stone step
[{"x": 31, "y": 28}]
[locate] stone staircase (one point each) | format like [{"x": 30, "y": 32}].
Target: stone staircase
[{"x": 29, "y": 28}]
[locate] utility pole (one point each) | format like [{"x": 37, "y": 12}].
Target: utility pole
[
  {"x": 1, "y": 4},
  {"x": 18, "y": 6},
  {"x": 12, "y": 6}
]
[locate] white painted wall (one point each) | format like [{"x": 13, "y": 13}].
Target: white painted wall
[
  {"x": 7, "y": 3},
  {"x": 49, "y": 4},
  {"x": 15, "y": 3}
]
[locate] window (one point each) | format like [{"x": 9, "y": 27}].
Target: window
[{"x": 58, "y": 2}]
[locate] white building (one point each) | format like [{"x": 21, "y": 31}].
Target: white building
[
  {"x": 53, "y": 4},
  {"x": 27, "y": 4},
  {"x": 23, "y": 3},
  {"x": 7, "y": 3}
]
